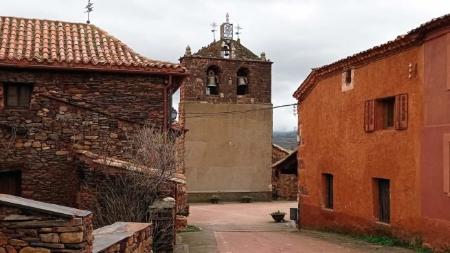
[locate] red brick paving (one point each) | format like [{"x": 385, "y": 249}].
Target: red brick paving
[{"x": 248, "y": 228}]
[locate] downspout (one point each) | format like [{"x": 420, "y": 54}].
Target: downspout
[{"x": 167, "y": 91}]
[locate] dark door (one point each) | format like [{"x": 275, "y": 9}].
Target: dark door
[
  {"x": 384, "y": 196},
  {"x": 10, "y": 182}
]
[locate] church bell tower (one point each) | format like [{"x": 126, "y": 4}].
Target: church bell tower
[{"x": 225, "y": 106}]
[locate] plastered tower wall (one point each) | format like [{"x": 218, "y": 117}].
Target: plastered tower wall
[{"x": 228, "y": 143}]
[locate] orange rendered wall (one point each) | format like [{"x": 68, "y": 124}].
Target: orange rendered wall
[
  {"x": 435, "y": 198},
  {"x": 334, "y": 141}
]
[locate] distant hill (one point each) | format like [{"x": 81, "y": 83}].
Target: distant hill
[{"x": 287, "y": 140}]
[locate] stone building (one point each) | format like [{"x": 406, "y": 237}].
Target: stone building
[
  {"x": 278, "y": 153},
  {"x": 284, "y": 177},
  {"x": 70, "y": 93},
  {"x": 374, "y": 143},
  {"x": 225, "y": 107}
]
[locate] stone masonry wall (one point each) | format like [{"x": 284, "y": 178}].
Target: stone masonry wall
[
  {"x": 71, "y": 111},
  {"x": 111, "y": 239},
  {"x": 278, "y": 154},
  {"x": 287, "y": 186},
  {"x": 259, "y": 78},
  {"x": 26, "y": 231}
]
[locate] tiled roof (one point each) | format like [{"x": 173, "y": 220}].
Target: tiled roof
[
  {"x": 240, "y": 52},
  {"x": 292, "y": 155},
  {"x": 413, "y": 37},
  {"x": 46, "y": 43}
]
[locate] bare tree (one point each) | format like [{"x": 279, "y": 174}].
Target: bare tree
[{"x": 127, "y": 193}]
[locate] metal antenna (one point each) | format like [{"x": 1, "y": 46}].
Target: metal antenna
[
  {"x": 89, "y": 8},
  {"x": 214, "y": 30},
  {"x": 238, "y": 30}
]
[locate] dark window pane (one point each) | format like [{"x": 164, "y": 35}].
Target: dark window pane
[
  {"x": 18, "y": 95},
  {"x": 10, "y": 182},
  {"x": 389, "y": 113},
  {"x": 348, "y": 76},
  {"x": 12, "y": 95},
  {"x": 24, "y": 95},
  {"x": 328, "y": 190}
]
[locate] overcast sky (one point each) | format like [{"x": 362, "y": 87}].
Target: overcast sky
[{"x": 296, "y": 35}]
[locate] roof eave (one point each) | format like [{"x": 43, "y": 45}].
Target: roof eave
[{"x": 162, "y": 71}]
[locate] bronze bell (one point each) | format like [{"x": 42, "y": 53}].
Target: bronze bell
[
  {"x": 211, "y": 80},
  {"x": 242, "y": 81}
]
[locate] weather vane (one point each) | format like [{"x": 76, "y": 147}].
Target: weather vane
[
  {"x": 213, "y": 30},
  {"x": 89, "y": 8},
  {"x": 238, "y": 30}
]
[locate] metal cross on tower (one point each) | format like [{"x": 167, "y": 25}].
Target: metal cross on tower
[
  {"x": 89, "y": 8},
  {"x": 238, "y": 30},
  {"x": 214, "y": 30}
]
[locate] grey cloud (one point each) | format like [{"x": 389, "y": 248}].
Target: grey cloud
[{"x": 295, "y": 34}]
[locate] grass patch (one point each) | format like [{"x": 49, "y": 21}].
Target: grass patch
[
  {"x": 382, "y": 240},
  {"x": 395, "y": 242},
  {"x": 190, "y": 228}
]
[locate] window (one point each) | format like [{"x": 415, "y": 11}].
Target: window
[
  {"x": 348, "y": 77},
  {"x": 17, "y": 95},
  {"x": 10, "y": 182},
  {"x": 385, "y": 111},
  {"x": 242, "y": 81},
  {"x": 212, "y": 80},
  {"x": 382, "y": 205},
  {"x": 327, "y": 180},
  {"x": 347, "y": 80}
]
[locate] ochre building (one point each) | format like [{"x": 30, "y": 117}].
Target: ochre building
[
  {"x": 225, "y": 106},
  {"x": 375, "y": 138}
]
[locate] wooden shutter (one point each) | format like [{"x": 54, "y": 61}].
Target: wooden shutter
[
  {"x": 401, "y": 112},
  {"x": 369, "y": 116}
]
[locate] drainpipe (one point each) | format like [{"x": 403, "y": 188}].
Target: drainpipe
[{"x": 167, "y": 92}]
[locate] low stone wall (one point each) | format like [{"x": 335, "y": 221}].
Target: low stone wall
[
  {"x": 123, "y": 237},
  {"x": 33, "y": 230},
  {"x": 28, "y": 226}
]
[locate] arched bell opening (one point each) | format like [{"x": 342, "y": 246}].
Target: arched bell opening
[
  {"x": 242, "y": 81},
  {"x": 212, "y": 80}
]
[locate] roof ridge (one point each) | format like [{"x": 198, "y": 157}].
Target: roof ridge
[{"x": 401, "y": 42}]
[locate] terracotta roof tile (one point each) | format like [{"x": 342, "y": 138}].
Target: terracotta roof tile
[
  {"x": 31, "y": 42},
  {"x": 401, "y": 42}
]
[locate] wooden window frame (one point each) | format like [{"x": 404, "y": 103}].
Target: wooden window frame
[
  {"x": 385, "y": 113},
  {"x": 374, "y": 113},
  {"x": 6, "y": 89}
]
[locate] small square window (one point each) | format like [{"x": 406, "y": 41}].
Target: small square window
[{"x": 17, "y": 95}]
